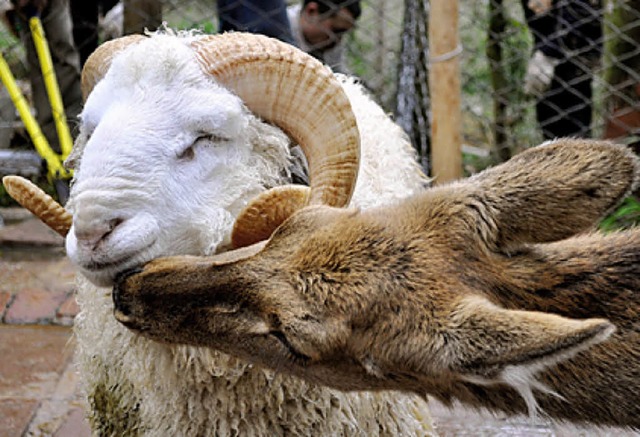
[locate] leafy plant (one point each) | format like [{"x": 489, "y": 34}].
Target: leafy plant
[{"x": 626, "y": 216}]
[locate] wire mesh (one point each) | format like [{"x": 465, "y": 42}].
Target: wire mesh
[{"x": 531, "y": 70}]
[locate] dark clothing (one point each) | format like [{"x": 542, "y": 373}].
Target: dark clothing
[
  {"x": 84, "y": 14},
  {"x": 571, "y": 31},
  {"x": 565, "y": 110},
  {"x": 267, "y": 17},
  {"x": 569, "y": 28},
  {"x": 141, "y": 15}
]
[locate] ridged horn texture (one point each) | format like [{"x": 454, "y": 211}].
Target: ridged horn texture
[
  {"x": 294, "y": 91},
  {"x": 288, "y": 88},
  {"x": 266, "y": 212},
  {"x": 39, "y": 203}
]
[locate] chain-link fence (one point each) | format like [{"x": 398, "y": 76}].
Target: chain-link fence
[{"x": 531, "y": 69}]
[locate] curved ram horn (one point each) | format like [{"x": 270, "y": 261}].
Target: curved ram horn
[
  {"x": 266, "y": 211},
  {"x": 286, "y": 87},
  {"x": 291, "y": 89},
  {"x": 39, "y": 203}
]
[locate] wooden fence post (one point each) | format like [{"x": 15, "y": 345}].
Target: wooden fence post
[{"x": 444, "y": 83}]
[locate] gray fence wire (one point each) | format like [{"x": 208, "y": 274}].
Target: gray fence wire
[{"x": 527, "y": 74}]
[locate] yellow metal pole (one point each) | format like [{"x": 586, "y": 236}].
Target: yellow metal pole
[
  {"x": 54, "y": 163},
  {"x": 53, "y": 91}
]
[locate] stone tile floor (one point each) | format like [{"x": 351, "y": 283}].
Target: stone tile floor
[{"x": 39, "y": 387}]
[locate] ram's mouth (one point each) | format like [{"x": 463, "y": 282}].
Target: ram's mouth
[
  {"x": 106, "y": 274},
  {"x": 102, "y": 277},
  {"x": 97, "y": 267},
  {"x": 102, "y": 266}
]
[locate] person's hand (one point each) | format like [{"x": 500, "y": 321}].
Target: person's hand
[
  {"x": 539, "y": 6},
  {"x": 31, "y": 7},
  {"x": 540, "y": 72}
]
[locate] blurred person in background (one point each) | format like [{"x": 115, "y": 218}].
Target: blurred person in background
[
  {"x": 86, "y": 15},
  {"x": 318, "y": 27},
  {"x": 567, "y": 38},
  {"x": 267, "y": 17},
  {"x": 97, "y": 21}
]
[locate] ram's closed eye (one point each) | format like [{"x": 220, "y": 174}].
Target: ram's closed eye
[
  {"x": 211, "y": 138},
  {"x": 202, "y": 140},
  {"x": 186, "y": 154}
]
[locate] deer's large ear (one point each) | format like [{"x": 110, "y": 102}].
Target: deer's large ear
[
  {"x": 571, "y": 183},
  {"x": 495, "y": 345}
]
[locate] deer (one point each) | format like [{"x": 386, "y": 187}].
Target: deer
[{"x": 495, "y": 291}]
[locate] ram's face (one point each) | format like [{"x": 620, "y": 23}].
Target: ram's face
[
  {"x": 168, "y": 154},
  {"x": 157, "y": 175}
]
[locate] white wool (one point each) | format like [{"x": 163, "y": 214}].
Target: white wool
[
  {"x": 389, "y": 169},
  {"x": 140, "y": 387}
]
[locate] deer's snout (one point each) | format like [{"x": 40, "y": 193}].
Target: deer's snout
[{"x": 123, "y": 290}]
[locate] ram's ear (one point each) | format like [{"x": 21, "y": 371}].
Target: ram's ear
[{"x": 493, "y": 344}]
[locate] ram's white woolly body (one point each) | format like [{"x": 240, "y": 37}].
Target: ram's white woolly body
[{"x": 154, "y": 102}]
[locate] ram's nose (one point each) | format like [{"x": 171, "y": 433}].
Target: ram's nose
[
  {"x": 91, "y": 232},
  {"x": 94, "y": 219}
]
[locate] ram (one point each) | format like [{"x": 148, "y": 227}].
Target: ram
[
  {"x": 178, "y": 135},
  {"x": 493, "y": 291}
]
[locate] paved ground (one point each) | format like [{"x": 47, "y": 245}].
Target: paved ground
[
  {"x": 39, "y": 393},
  {"x": 39, "y": 389}
]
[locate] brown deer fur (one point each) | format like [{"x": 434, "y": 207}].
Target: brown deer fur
[{"x": 494, "y": 291}]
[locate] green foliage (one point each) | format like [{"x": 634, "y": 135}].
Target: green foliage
[
  {"x": 207, "y": 26},
  {"x": 472, "y": 164},
  {"x": 358, "y": 47},
  {"x": 5, "y": 199},
  {"x": 13, "y": 52},
  {"x": 193, "y": 15},
  {"x": 627, "y": 215},
  {"x": 493, "y": 81},
  {"x": 7, "y": 40}
]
